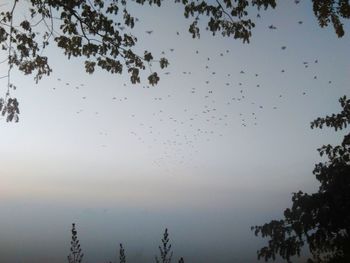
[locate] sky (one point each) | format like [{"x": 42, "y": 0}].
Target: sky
[{"x": 206, "y": 153}]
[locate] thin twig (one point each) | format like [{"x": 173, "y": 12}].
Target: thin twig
[
  {"x": 225, "y": 12},
  {"x": 2, "y": 77}
]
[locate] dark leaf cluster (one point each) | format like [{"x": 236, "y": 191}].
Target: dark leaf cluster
[
  {"x": 9, "y": 108},
  {"x": 320, "y": 220},
  {"x": 331, "y": 12},
  {"x": 230, "y": 18}
]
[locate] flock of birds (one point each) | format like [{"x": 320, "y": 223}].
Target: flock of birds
[{"x": 210, "y": 110}]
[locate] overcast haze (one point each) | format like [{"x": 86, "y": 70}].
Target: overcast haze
[{"x": 207, "y": 153}]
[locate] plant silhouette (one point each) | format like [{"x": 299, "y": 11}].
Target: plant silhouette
[
  {"x": 320, "y": 220},
  {"x": 122, "y": 258},
  {"x": 75, "y": 255},
  {"x": 165, "y": 249}
]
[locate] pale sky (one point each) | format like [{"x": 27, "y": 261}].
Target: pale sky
[{"x": 206, "y": 160}]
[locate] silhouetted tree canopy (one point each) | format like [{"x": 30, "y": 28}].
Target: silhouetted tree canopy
[
  {"x": 94, "y": 30},
  {"x": 320, "y": 221}
]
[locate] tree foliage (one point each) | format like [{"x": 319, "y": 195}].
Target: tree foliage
[
  {"x": 320, "y": 220},
  {"x": 95, "y": 31}
]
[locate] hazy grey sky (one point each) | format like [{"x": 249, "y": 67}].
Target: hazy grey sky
[{"x": 206, "y": 160}]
